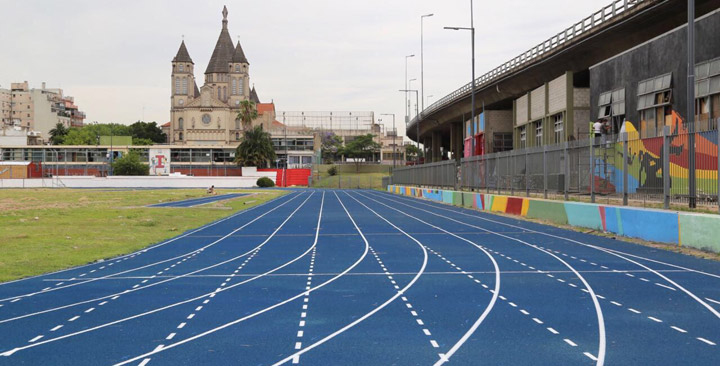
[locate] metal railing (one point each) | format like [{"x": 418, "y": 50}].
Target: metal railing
[
  {"x": 614, "y": 169},
  {"x": 601, "y": 19}
]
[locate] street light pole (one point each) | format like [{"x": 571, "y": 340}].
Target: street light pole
[
  {"x": 417, "y": 123},
  {"x": 472, "y": 97},
  {"x": 394, "y": 135},
  {"x": 692, "y": 184},
  {"x": 407, "y": 100},
  {"x": 422, "y": 65}
]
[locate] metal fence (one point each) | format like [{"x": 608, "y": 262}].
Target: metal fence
[{"x": 617, "y": 169}]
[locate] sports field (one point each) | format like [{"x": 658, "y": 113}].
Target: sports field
[{"x": 333, "y": 277}]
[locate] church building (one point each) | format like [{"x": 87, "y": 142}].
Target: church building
[{"x": 208, "y": 115}]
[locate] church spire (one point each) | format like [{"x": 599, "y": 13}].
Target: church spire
[
  {"x": 224, "y": 13},
  {"x": 183, "y": 55}
]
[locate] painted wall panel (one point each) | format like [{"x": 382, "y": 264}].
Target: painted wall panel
[
  {"x": 700, "y": 231},
  {"x": 583, "y": 215},
  {"x": 650, "y": 225}
]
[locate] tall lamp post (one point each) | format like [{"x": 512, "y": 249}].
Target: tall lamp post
[
  {"x": 472, "y": 98},
  {"x": 407, "y": 100},
  {"x": 417, "y": 123},
  {"x": 422, "y": 65},
  {"x": 394, "y": 135}
]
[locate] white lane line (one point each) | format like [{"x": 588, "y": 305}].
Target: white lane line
[
  {"x": 170, "y": 336},
  {"x": 524, "y": 312},
  {"x": 615, "y": 303},
  {"x": 35, "y": 339},
  {"x": 434, "y": 344},
  {"x": 56, "y": 328},
  {"x": 446, "y": 356},
  {"x": 190, "y": 316},
  {"x": 553, "y": 331},
  {"x": 144, "y": 362},
  {"x": 634, "y": 311},
  {"x": 74, "y": 318},
  {"x": 570, "y": 342},
  {"x": 665, "y": 286},
  {"x": 590, "y": 355},
  {"x": 655, "y": 319},
  {"x": 679, "y": 329},
  {"x": 705, "y": 341},
  {"x": 536, "y": 320},
  {"x": 89, "y": 310}
]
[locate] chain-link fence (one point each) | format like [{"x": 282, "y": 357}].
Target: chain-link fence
[{"x": 616, "y": 169}]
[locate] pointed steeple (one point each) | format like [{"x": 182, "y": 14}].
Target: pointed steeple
[
  {"x": 239, "y": 55},
  {"x": 253, "y": 96},
  {"x": 183, "y": 55},
  {"x": 224, "y": 50}
]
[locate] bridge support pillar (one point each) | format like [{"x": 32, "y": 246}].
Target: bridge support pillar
[
  {"x": 436, "y": 143},
  {"x": 456, "y": 141}
]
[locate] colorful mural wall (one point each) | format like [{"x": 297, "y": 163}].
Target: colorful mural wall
[
  {"x": 686, "y": 229},
  {"x": 645, "y": 162}
]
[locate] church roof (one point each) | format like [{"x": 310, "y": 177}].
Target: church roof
[
  {"x": 182, "y": 54},
  {"x": 197, "y": 91},
  {"x": 224, "y": 50},
  {"x": 253, "y": 96},
  {"x": 239, "y": 55},
  {"x": 265, "y": 107}
]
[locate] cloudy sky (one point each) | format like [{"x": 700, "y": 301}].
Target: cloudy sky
[{"x": 312, "y": 55}]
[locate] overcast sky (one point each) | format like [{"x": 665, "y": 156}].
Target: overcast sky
[{"x": 312, "y": 55}]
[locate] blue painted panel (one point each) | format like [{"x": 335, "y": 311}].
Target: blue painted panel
[
  {"x": 583, "y": 215},
  {"x": 650, "y": 224}
]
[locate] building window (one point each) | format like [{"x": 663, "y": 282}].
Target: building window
[
  {"x": 538, "y": 133},
  {"x": 182, "y": 67},
  {"x": 181, "y": 123},
  {"x": 502, "y": 141},
  {"x": 224, "y": 92},
  {"x": 237, "y": 124},
  {"x": 234, "y": 86},
  {"x": 523, "y": 137},
  {"x": 219, "y": 92},
  {"x": 654, "y": 98},
  {"x": 177, "y": 85},
  {"x": 559, "y": 128},
  {"x": 241, "y": 86},
  {"x": 237, "y": 136},
  {"x": 180, "y": 136},
  {"x": 237, "y": 68},
  {"x": 707, "y": 90}
]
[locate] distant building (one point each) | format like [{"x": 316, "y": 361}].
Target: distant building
[
  {"x": 37, "y": 111},
  {"x": 208, "y": 115}
]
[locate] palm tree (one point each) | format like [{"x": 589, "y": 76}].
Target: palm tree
[
  {"x": 247, "y": 114},
  {"x": 57, "y": 134},
  {"x": 256, "y": 148}
]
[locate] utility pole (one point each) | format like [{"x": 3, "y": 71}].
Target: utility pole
[
  {"x": 422, "y": 65},
  {"x": 690, "y": 118}
]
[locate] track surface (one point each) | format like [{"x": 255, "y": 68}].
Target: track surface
[
  {"x": 368, "y": 278},
  {"x": 199, "y": 201}
]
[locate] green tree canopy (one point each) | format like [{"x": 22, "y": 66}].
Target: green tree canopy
[
  {"x": 360, "y": 147},
  {"x": 331, "y": 145},
  {"x": 147, "y": 130},
  {"x": 130, "y": 164},
  {"x": 142, "y": 133},
  {"x": 57, "y": 134},
  {"x": 255, "y": 149},
  {"x": 412, "y": 151},
  {"x": 248, "y": 112}
]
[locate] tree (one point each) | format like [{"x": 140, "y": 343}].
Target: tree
[
  {"x": 362, "y": 147},
  {"x": 255, "y": 149},
  {"x": 412, "y": 151},
  {"x": 57, "y": 134},
  {"x": 130, "y": 164},
  {"x": 148, "y": 131},
  {"x": 247, "y": 114},
  {"x": 331, "y": 145}
]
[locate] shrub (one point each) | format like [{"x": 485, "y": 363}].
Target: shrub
[
  {"x": 332, "y": 171},
  {"x": 130, "y": 164},
  {"x": 265, "y": 182}
]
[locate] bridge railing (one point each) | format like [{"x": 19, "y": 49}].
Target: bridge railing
[{"x": 598, "y": 20}]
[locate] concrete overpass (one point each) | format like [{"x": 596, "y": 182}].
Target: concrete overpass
[{"x": 614, "y": 29}]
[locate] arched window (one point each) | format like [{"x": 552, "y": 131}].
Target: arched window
[
  {"x": 181, "y": 123},
  {"x": 219, "y": 91},
  {"x": 180, "y": 136},
  {"x": 234, "y": 86},
  {"x": 177, "y": 85},
  {"x": 241, "y": 86},
  {"x": 184, "y": 86},
  {"x": 224, "y": 92},
  {"x": 237, "y": 136},
  {"x": 237, "y": 68},
  {"x": 182, "y": 67}
]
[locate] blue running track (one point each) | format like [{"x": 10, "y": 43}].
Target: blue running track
[
  {"x": 367, "y": 278},
  {"x": 199, "y": 201}
]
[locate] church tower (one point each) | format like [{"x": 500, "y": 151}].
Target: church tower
[
  {"x": 183, "y": 89},
  {"x": 216, "y": 74}
]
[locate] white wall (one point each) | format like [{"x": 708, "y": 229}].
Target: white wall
[{"x": 136, "y": 182}]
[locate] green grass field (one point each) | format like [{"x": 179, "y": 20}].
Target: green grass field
[
  {"x": 46, "y": 230},
  {"x": 350, "y": 180}
]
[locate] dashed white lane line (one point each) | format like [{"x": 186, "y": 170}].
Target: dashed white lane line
[
  {"x": 713, "y": 301},
  {"x": 144, "y": 362},
  {"x": 655, "y": 319},
  {"x": 181, "y": 325},
  {"x": 74, "y": 318},
  {"x": 705, "y": 341},
  {"x": 536, "y": 320},
  {"x": 56, "y": 328},
  {"x": 590, "y": 355},
  {"x": 570, "y": 342},
  {"x": 170, "y": 336},
  {"x": 634, "y": 311},
  {"x": 679, "y": 329},
  {"x": 665, "y": 286},
  {"x": 35, "y": 339},
  {"x": 553, "y": 331},
  {"x": 306, "y": 300}
]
